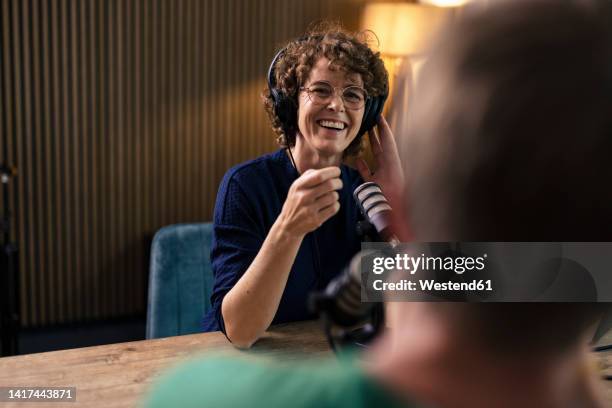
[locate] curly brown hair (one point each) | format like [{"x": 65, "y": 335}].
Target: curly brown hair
[{"x": 345, "y": 50}]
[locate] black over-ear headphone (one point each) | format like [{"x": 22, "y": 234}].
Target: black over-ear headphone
[{"x": 285, "y": 107}]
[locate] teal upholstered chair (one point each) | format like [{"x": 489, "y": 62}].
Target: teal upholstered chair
[{"x": 180, "y": 280}]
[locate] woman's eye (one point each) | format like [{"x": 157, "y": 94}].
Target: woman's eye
[
  {"x": 353, "y": 95},
  {"x": 321, "y": 91}
]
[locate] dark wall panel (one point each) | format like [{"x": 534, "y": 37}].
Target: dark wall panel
[{"x": 122, "y": 117}]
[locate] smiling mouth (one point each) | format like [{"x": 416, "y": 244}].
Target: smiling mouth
[{"x": 331, "y": 124}]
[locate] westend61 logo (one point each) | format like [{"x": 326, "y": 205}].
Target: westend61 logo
[{"x": 412, "y": 264}]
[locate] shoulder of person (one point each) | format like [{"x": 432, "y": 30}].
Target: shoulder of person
[
  {"x": 262, "y": 166},
  {"x": 246, "y": 382}
]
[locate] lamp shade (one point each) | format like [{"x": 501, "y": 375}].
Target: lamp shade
[{"x": 403, "y": 29}]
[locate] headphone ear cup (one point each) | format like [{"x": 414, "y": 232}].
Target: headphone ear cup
[
  {"x": 286, "y": 111},
  {"x": 366, "y": 121},
  {"x": 373, "y": 109},
  {"x": 370, "y": 114},
  {"x": 284, "y": 107}
]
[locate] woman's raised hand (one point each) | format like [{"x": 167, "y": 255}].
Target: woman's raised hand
[
  {"x": 388, "y": 173},
  {"x": 312, "y": 200}
]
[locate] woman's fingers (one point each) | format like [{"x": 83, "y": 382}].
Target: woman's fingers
[
  {"x": 375, "y": 143},
  {"x": 363, "y": 169},
  {"x": 316, "y": 183},
  {"x": 327, "y": 212},
  {"x": 327, "y": 199},
  {"x": 387, "y": 141},
  {"x": 326, "y": 187},
  {"x": 312, "y": 199},
  {"x": 385, "y": 152},
  {"x": 312, "y": 178},
  {"x": 384, "y": 131}
]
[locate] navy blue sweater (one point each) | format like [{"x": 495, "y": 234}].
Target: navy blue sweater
[{"x": 250, "y": 198}]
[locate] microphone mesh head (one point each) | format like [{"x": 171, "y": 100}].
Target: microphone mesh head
[{"x": 370, "y": 199}]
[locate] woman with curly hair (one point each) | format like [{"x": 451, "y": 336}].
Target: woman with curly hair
[{"x": 284, "y": 223}]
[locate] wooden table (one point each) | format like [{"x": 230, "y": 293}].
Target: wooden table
[{"x": 118, "y": 375}]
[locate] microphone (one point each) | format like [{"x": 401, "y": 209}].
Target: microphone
[
  {"x": 376, "y": 210},
  {"x": 341, "y": 299},
  {"x": 342, "y": 310}
]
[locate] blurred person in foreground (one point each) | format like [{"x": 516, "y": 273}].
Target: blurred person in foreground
[{"x": 509, "y": 140}]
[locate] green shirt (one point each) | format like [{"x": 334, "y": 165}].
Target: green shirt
[{"x": 247, "y": 382}]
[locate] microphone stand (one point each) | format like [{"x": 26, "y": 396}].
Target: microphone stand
[
  {"x": 342, "y": 330},
  {"x": 9, "y": 277},
  {"x": 347, "y": 320},
  {"x": 359, "y": 336}
]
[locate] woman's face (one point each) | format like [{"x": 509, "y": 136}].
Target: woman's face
[{"x": 328, "y": 129}]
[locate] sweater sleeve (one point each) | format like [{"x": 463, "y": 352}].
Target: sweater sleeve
[{"x": 237, "y": 237}]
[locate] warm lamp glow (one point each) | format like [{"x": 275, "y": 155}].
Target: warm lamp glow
[
  {"x": 446, "y": 3},
  {"x": 403, "y": 29}
]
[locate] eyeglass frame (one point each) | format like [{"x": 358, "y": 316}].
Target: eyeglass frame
[{"x": 335, "y": 89}]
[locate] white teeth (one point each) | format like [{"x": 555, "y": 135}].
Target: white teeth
[{"x": 332, "y": 124}]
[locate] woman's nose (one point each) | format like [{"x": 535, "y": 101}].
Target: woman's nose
[{"x": 336, "y": 103}]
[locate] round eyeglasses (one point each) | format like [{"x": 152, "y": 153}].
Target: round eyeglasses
[{"x": 321, "y": 93}]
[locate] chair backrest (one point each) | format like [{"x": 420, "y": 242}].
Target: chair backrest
[{"x": 180, "y": 280}]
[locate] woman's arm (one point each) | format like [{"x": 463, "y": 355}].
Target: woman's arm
[{"x": 249, "y": 307}]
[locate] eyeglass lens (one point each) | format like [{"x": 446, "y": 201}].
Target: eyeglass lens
[{"x": 353, "y": 96}]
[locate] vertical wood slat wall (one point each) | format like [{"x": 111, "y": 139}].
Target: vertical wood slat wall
[{"x": 122, "y": 117}]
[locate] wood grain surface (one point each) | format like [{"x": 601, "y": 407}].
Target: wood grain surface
[{"x": 119, "y": 375}]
